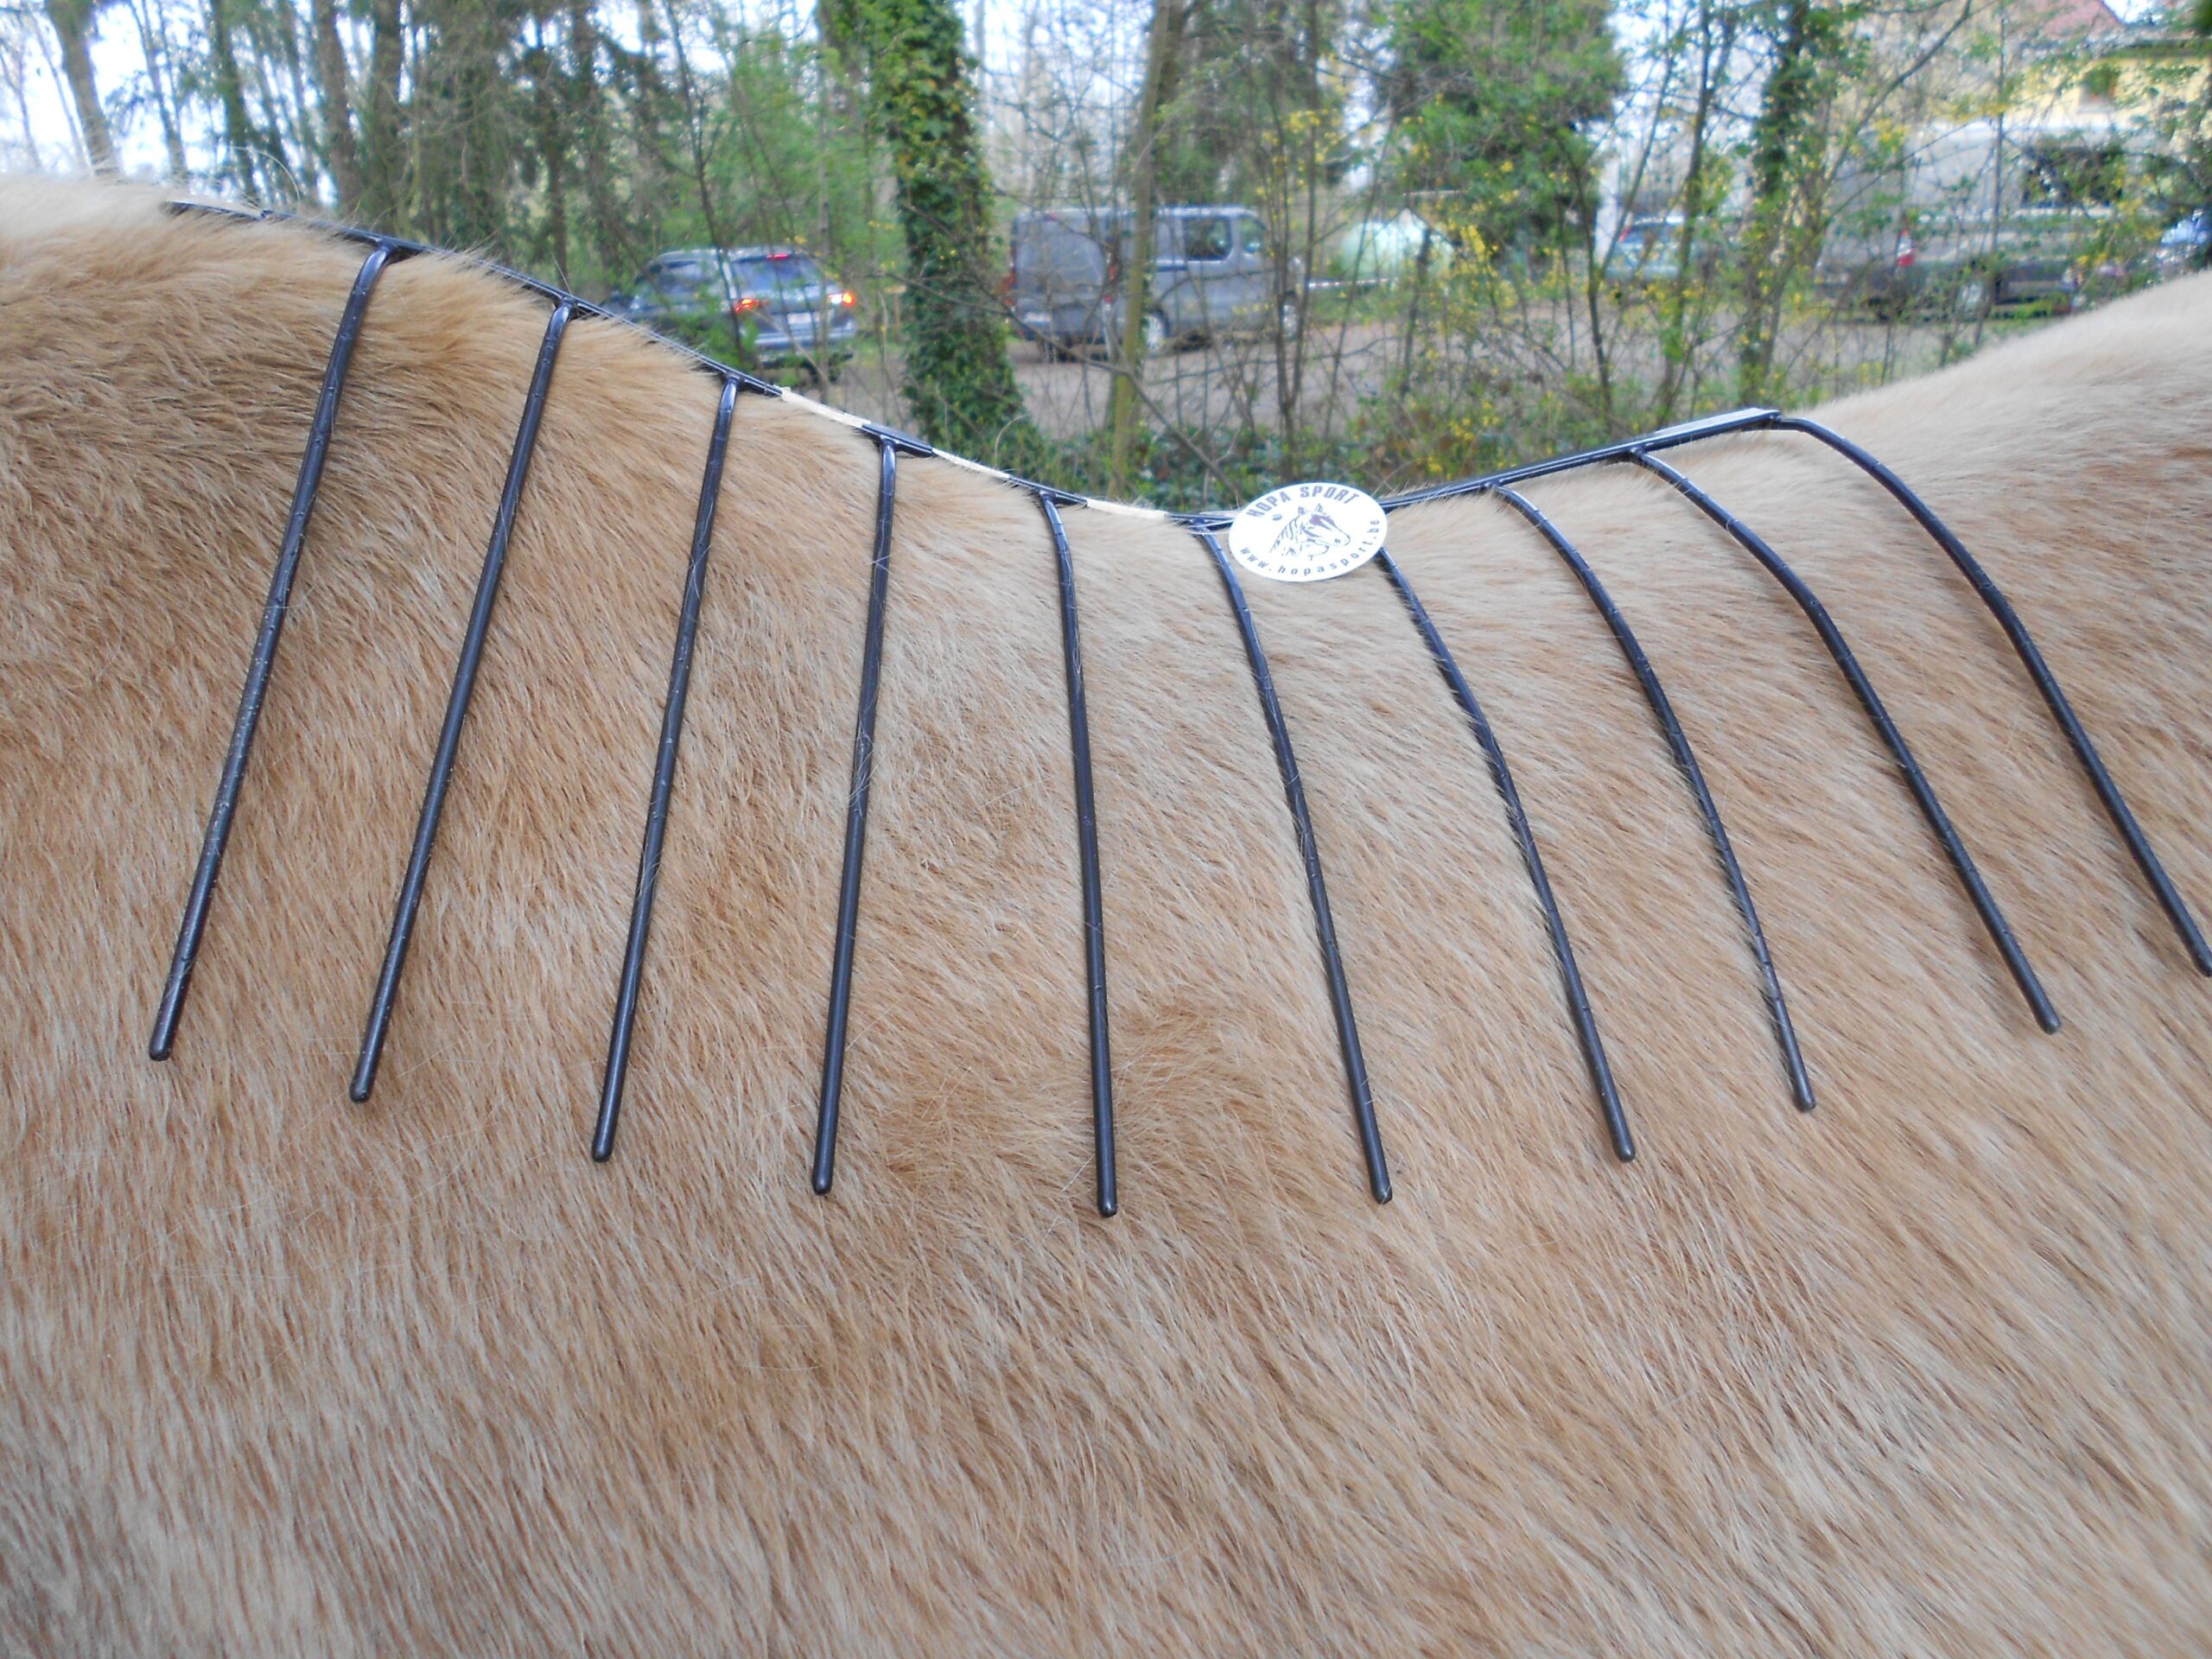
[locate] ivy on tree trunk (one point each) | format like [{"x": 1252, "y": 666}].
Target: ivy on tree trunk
[
  {"x": 1785, "y": 143},
  {"x": 959, "y": 383},
  {"x": 1135, "y": 299},
  {"x": 72, "y": 27}
]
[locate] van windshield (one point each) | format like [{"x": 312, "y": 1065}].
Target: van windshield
[{"x": 1205, "y": 239}]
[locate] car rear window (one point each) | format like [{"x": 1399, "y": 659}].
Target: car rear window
[
  {"x": 677, "y": 276},
  {"x": 774, "y": 271}
]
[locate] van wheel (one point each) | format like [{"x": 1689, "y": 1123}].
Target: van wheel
[{"x": 1156, "y": 337}]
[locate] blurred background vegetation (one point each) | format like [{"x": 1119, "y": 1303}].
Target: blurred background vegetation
[{"x": 1494, "y": 229}]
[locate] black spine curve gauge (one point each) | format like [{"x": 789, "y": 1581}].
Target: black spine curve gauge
[
  {"x": 1662, "y": 709},
  {"x": 1923, "y": 792},
  {"x": 1309, "y": 849},
  {"x": 1578, "y": 999},
  {"x": 464, "y": 687},
  {"x": 2023, "y": 647},
  {"x": 848, "y": 885},
  {"x": 664, "y": 784},
  {"x": 383, "y": 250},
  {"x": 263, "y": 662},
  {"x": 1086, "y": 826}
]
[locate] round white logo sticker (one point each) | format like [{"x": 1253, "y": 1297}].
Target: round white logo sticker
[{"x": 1307, "y": 532}]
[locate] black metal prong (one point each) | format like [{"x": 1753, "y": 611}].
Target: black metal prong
[
  {"x": 1309, "y": 849},
  {"x": 1578, "y": 999},
  {"x": 848, "y": 887},
  {"x": 464, "y": 687},
  {"x": 672, "y": 736},
  {"x": 1086, "y": 827},
  {"x": 263, "y": 660},
  {"x": 1923, "y": 792},
  {"x": 1793, "y": 1062},
  {"x": 2023, "y": 646}
]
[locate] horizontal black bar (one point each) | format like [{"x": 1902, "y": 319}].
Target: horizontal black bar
[
  {"x": 1049, "y": 492},
  {"x": 1712, "y": 426},
  {"x": 401, "y": 248},
  {"x": 905, "y": 443}
]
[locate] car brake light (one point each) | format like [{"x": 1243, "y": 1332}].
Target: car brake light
[
  {"x": 843, "y": 297},
  {"x": 750, "y": 302}
]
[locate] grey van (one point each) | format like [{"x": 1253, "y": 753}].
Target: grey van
[{"x": 1213, "y": 274}]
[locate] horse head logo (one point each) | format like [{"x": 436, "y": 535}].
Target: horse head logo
[{"x": 1310, "y": 533}]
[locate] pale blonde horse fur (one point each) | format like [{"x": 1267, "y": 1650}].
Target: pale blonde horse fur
[{"x": 1928, "y": 1371}]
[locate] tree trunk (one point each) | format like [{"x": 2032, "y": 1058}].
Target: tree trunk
[
  {"x": 72, "y": 27},
  {"x": 588, "y": 125},
  {"x": 383, "y": 155},
  {"x": 240, "y": 146},
  {"x": 275, "y": 33},
  {"x": 549, "y": 97},
  {"x": 1135, "y": 299},
  {"x": 651, "y": 184},
  {"x": 1712, "y": 62},
  {"x": 695, "y": 127},
  {"x": 337, "y": 109},
  {"x": 959, "y": 382},
  {"x": 1776, "y": 130},
  {"x": 153, "y": 39}
]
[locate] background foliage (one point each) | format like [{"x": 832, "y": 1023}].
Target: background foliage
[{"x": 1497, "y": 228}]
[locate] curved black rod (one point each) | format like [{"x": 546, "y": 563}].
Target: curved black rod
[
  {"x": 2023, "y": 646},
  {"x": 1086, "y": 826},
  {"x": 1309, "y": 849},
  {"x": 464, "y": 687},
  {"x": 848, "y": 887},
  {"x": 1578, "y": 999},
  {"x": 1793, "y": 1062},
  {"x": 263, "y": 662},
  {"x": 671, "y": 735},
  {"x": 1923, "y": 792}
]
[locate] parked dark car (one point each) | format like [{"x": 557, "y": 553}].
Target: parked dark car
[
  {"x": 1962, "y": 265},
  {"x": 795, "y": 315},
  {"x": 1213, "y": 273}
]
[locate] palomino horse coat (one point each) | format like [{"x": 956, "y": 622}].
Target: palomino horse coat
[{"x": 1929, "y": 1369}]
